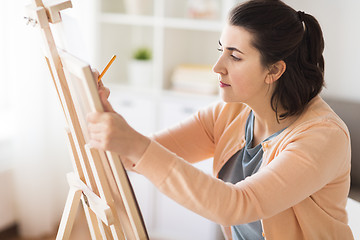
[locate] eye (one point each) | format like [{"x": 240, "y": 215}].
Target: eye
[
  {"x": 220, "y": 50},
  {"x": 235, "y": 58}
]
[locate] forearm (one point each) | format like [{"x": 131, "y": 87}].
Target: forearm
[
  {"x": 188, "y": 139},
  {"x": 195, "y": 190}
]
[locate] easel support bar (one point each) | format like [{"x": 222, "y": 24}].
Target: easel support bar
[
  {"x": 95, "y": 203},
  {"x": 43, "y": 14},
  {"x": 55, "y": 8}
]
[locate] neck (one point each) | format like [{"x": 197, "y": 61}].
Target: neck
[{"x": 266, "y": 123}]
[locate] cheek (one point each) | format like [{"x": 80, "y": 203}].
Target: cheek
[
  {"x": 243, "y": 77},
  {"x": 248, "y": 81}
]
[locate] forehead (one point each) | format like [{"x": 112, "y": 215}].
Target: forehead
[{"x": 235, "y": 36}]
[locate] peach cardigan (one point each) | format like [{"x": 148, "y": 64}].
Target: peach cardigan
[{"x": 300, "y": 191}]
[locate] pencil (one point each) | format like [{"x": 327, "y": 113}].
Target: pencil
[{"x": 106, "y": 68}]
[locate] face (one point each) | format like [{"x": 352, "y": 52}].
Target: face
[{"x": 241, "y": 74}]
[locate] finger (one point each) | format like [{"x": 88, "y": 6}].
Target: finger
[
  {"x": 106, "y": 104},
  {"x": 96, "y": 144},
  {"x": 98, "y": 137},
  {"x": 95, "y": 128},
  {"x": 100, "y": 84},
  {"x": 94, "y": 117},
  {"x": 95, "y": 73},
  {"x": 104, "y": 92}
]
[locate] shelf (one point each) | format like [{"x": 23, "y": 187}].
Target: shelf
[
  {"x": 193, "y": 24},
  {"x": 127, "y": 88},
  {"x": 151, "y": 92},
  {"x": 174, "y": 39},
  {"x": 135, "y": 20},
  {"x": 176, "y": 23},
  {"x": 190, "y": 95}
]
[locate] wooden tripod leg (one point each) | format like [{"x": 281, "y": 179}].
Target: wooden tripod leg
[
  {"x": 69, "y": 214},
  {"x": 106, "y": 231},
  {"x": 93, "y": 222},
  {"x": 92, "y": 219}
]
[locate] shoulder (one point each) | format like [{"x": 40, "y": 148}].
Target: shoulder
[
  {"x": 318, "y": 114},
  {"x": 318, "y": 138},
  {"x": 317, "y": 133}
]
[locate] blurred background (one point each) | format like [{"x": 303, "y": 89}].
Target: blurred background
[{"x": 162, "y": 74}]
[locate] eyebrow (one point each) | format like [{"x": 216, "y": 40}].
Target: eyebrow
[{"x": 232, "y": 48}]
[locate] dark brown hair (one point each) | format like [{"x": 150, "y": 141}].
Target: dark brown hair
[{"x": 281, "y": 33}]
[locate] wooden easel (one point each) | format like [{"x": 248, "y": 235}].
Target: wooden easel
[{"x": 99, "y": 180}]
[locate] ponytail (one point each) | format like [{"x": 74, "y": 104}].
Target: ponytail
[{"x": 312, "y": 45}]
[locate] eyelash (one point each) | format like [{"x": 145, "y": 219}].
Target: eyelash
[
  {"x": 235, "y": 58},
  {"x": 232, "y": 56}
]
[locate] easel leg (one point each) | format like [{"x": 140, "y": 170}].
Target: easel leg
[
  {"x": 69, "y": 214},
  {"x": 105, "y": 230},
  {"x": 92, "y": 223}
]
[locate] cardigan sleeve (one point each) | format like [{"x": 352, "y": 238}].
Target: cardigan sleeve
[
  {"x": 313, "y": 158},
  {"x": 193, "y": 138}
]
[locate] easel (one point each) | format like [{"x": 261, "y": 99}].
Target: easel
[{"x": 99, "y": 180}]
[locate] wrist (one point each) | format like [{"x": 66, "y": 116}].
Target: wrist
[{"x": 140, "y": 146}]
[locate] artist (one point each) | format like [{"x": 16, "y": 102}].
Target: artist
[{"x": 281, "y": 155}]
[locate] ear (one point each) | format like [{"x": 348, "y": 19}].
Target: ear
[{"x": 275, "y": 72}]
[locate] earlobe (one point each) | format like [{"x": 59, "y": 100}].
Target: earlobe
[{"x": 275, "y": 71}]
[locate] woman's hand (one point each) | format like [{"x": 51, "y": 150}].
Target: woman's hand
[{"x": 110, "y": 132}]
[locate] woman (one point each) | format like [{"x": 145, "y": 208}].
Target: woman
[{"x": 281, "y": 155}]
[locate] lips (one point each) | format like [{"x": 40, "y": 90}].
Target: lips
[{"x": 222, "y": 84}]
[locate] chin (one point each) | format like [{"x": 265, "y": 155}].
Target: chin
[
  {"x": 228, "y": 99},
  {"x": 225, "y": 96}
]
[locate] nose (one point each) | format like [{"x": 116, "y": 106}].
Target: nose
[{"x": 219, "y": 66}]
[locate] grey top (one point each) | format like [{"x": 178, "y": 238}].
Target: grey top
[{"x": 242, "y": 164}]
